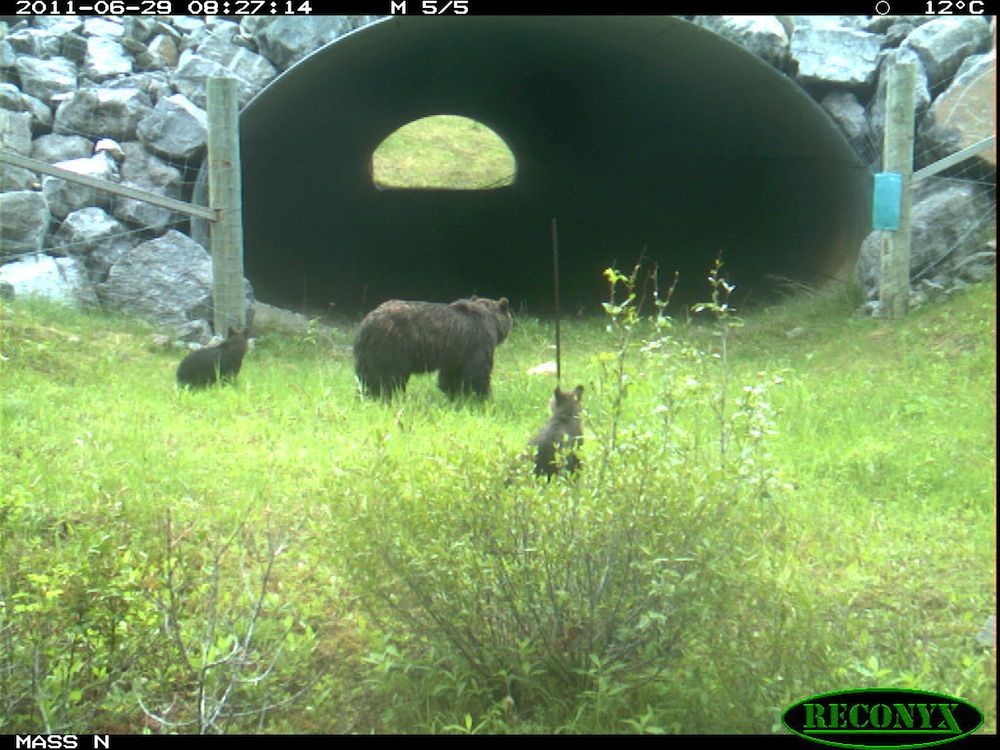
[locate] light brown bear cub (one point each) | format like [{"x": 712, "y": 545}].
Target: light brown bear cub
[{"x": 561, "y": 434}]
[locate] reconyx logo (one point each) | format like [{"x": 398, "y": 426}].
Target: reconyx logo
[{"x": 882, "y": 718}]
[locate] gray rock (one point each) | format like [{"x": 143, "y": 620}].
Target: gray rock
[
  {"x": 25, "y": 217},
  {"x": 143, "y": 170},
  {"x": 952, "y": 221},
  {"x": 16, "y": 179},
  {"x": 869, "y": 266},
  {"x": 58, "y": 25},
  {"x": 897, "y": 33},
  {"x": 829, "y": 22},
  {"x": 976, "y": 267},
  {"x": 95, "y": 239},
  {"x": 163, "y": 50},
  {"x": 251, "y": 71},
  {"x": 15, "y": 131},
  {"x": 8, "y": 58},
  {"x": 54, "y": 147},
  {"x": 176, "y": 128},
  {"x": 65, "y": 197},
  {"x": 104, "y": 26},
  {"x": 951, "y": 226},
  {"x": 187, "y": 24},
  {"x": 963, "y": 115},
  {"x": 190, "y": 75},
  {"x": 850, "y": 115},
  {"x": 835, "y": 56},
  {"x": 74, "y": 48},
  {"x": 883, "y": 24},
  {"x": 943, "y": 43},
  {"x": 106, "y": 58},
  {"x": 762, "y": 35},
  {"x": 270, "y": 319},
  {"x": 152, "y": 83},
  {"x": 15, "y": 135},
  {"x": 103, "y": 113},
  {"x": 59, "y": 279},
  {"x": 167, "y": 281},
  {"x": 139, "y": 28},
  {"x": 286, "y": 40},
  {"x": 36, "y": 42},
  {"x": 194, "y": 335},
  {"x": 44, "y": 79},
  {"x": 13, "y": 100},
  {"x": 215, "y": 42}
]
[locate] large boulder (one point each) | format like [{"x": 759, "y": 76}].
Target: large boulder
[
  {"x": 106, "y": 58},
  {"x": 286, "y": 40},
  {"x": 13, "y": 100},
  {"x": 64, "y": 196},
  {"x": 167, "y": 281},
  {"x": 964, "y": 114},
  {"x": 25, "y": 217},
  {"x": 765, "y": 36},
  {"x": 944, "y": 43},
  {"x": 176, "y": 128},
  {"x": 103, "y": 113},
  {"x": 835, "y": 56},
  {"x": 44, "y": 79},
  {"x": 952, "y": 229},
  {"x": 15, "y": 135},
  {"x": 55, "y": 147},
  {"x": 143, "y": 170},
  {"x": 60, "y": 279},
  {"x": 95, "y": 239},
  {"x": 850, "y": 115}
]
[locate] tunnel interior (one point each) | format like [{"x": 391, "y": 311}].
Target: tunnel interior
[{"x": 639, "y": 135}]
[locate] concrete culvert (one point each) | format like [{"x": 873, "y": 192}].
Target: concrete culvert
[{"x": 639, "y": 134}]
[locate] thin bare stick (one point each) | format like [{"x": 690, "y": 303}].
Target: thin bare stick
[{"x": 555, "y": 285}]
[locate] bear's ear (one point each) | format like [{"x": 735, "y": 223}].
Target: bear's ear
[
  {"x": 579, "y": 392},
  {"x": 231, "y": 332},
  {"x": 504, "y": 304}
]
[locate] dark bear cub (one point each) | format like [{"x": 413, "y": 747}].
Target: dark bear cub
[
  {"x": 562, "y": 433},
  {"x": 204, "y": 367},
  {"x": 399, "y": 338}
]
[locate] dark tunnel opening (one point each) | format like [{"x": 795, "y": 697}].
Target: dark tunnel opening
[{"x": 639, "y": 135}]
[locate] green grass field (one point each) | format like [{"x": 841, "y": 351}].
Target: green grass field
[
  {"x": 443, "y": 151},
  {"x": 807, "y": 514}
]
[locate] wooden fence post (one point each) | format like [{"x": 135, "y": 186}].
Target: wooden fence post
[
  {"x": 225, "y": 196},
  {"x": 897, "y": 157}
]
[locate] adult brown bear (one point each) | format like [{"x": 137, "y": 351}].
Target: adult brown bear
[{"x": 399, "y": 338}]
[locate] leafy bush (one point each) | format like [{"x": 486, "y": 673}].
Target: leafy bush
[{"x": 569, "y": 597}]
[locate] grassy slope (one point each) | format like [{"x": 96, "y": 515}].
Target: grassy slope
[
  {"x": 886, "y": 433},
  {"x": 443, "y": 151}
]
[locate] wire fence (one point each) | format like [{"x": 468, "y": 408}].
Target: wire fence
[{"x": 106, "y": 198}]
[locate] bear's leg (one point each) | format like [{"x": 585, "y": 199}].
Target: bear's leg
[
  {"x": 450, "y": 380},
  {"x": 476, "y": 375},
  {"x": 383, "y": 386}
]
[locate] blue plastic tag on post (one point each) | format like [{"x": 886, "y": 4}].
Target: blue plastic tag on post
[{"x": 886, "y": 200}]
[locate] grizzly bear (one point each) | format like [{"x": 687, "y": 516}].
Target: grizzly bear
[
  {"x": 562, "y": 433},
  {"x": 204, "y": 367},
  {"x": 399, "y": 338}
]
